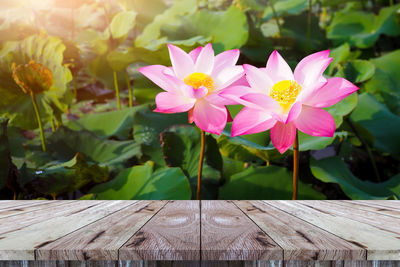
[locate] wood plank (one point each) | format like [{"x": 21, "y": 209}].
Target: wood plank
[
  {"x": 382, "y": 222},
  {"x": 28, "y": 208},
  {"x": 299, "y": 239},
  {"x": 367, "y": 207},
  {"x": 12, "y": 204},
  {"x": 19, "y": 221},
  {"x": 20, "y": 244},
  {"x": 380, "y": 245},
  {"x": 228, "y": 234},
  {"x": 101, "y": 239},
  {"x": 393, "y": 204},
  {"x": 172, "y": 234}
]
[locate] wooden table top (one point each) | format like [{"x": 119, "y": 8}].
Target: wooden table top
[{"x": 199, "y": 230}]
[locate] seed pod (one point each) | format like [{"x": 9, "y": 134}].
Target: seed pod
[{"x": 32, "y": 77}]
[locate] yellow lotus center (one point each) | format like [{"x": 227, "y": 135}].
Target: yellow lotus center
[
  {"x": 285, "y": 93},
  {"x": 198, "y": 79}
]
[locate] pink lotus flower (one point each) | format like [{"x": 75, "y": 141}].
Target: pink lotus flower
[
  {"x": 282, "y": 101},
  {"x": 193, "y": 83}
]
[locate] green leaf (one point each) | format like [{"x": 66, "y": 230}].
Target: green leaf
[
  {"x": 339, "y": 55},
  {"x": 122, "y": 23},
  {"x": 231, "y": 166},
  {"x": 97, "y": 42},
  {"x": 334, "y": 170},
  {"x": 357, "y": 71},
  {"x": 264, "y": 183},
  {"x": 385, "y": 84},
  {"x": 308, "y": 142},
  {"x": 198, "y": 24},
  {"x": 117, "y": 123},
  {"x": 362, "y": 29},
  {"x": 144, "y": 90},
  {"x": 255, "y": 5},
  {"x": 152, "y": 31},
  {"x": 233, "y": 18},
  {"x": 146, "y": 10},
  {"x": 181, "y": 148},
  {"x": 343, "y": 108},
  {"x": 65, "y": 143},
  {"x": 142, "y": 182},
  {"x": 294, "y": 33},
  {"x": 284, "y": 8},
  {"x": 58, "y": 178},
  {"x": 16, "y": 105},
  {"x": 265, "y": 153},
  {"x": 377, "y": 119},
  {"x": 148, "y": 126},
  {"x": 234, "y": 150}
]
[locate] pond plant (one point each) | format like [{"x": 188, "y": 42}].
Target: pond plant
[
  {"x": 33, "y": 78},
  {"x": 193, "y": 84},
  {"x": 283, "y": 101},
  {"x": 80, "y": 81}
]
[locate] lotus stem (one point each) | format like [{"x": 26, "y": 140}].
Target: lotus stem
[
  {"x": 116, "y": 89},
  {"x": 53, "y": 126},
  {"x": 128, "y": 83},
  {"x": 295, "y": 165},
  {"x": 202, "y": 148},
  {"x": 276, "y": 17},
  {"x": 35, "y": 106}
]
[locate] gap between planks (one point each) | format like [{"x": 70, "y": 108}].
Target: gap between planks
[
  {"x": 216, "y": 217},
  {"x": 380, "y": 244},
  {"x": 21, "y": 243},
  {"x": 299, "y": 239},
  {"x": 108, "y": 233}
]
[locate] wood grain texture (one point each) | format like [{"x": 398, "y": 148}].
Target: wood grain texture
[
  {"x": 20, "y": 244},
  {"x": 299, "y": 239},
  {"x": 291, "y": 263},
  {"x": 19, "y": 221},
  {"x": 172, "y": 234},
  {"x": 368, "y": 207},
  {"x": 393, "y": 204},
  {"x": 13, "y": 204},
  {"x": 206, "y": 232},
  {"x": 101, "y": 239},
  {"x": 380, "y": 244},
  {"x": 385, "y": 223},
  {"x": 228, "y": 234},
  {"x": 11, "y": 211}
]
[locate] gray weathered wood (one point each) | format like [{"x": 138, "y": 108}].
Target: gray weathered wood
[
  {"x": 172, "y": 234},
  {"x": 385, "y": 223},
  {"x": 20, "y": 244},
  {"x": 24, "y": 219},
  {"x": 393, "y": 204},
  {"x": 108, "y": 233},
  {"x": 24, "y": 208},
  {"x": 299, "y": 239},
  {"x": 367, "y": 207},
  {"x": 189, "y": 232},
  {"x": 380, "y": 244},
  {"x": 7, "y": 205},
  {"x": 228, "y": 234}
]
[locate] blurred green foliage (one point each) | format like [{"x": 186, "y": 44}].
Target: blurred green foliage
[{"x": 98, "y": 152}]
